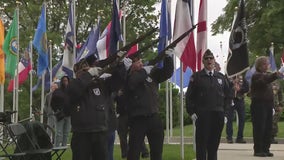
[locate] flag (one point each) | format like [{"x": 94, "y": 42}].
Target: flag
[
  {"x": 68, "y": 56},
  {"x": 273, "y": 66},
  {"x": 201, "y": 32},
  {"x": 103, "y": 43},
  {"x": 10, "y": 47},
  {"x": 238, "y": 61},
  {"x": 24, "y": 68},
  {"x": 40, "y": 43},
  {"x": 132, "y": 50},
  {"x": 115, "y": 31},
  {"x": 57, "y": 73},
  {"x": 249, "y": 74},
  {"x": 186, "y": 77},
  {"x": 185, "y": 49},
  {"x": 90, "y": 46},
  {"x": 165, "y": 28},
  {"x": 282, "y": 57},
  {"x": 2, "y": 60}
]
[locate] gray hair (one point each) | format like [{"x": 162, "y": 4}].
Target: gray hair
[{"x": 259, "y": 62}]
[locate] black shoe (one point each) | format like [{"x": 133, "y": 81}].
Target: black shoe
[
  {"x": 260, "y": 154},
  {"x": 230, "y": 141},
  {"x": 269, "y": 154},
  {"x": 145, "y": 155},
  {"x": 273, "y": 141},
  {"x": 240, "y": 140}
]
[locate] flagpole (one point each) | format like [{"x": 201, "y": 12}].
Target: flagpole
[
  {"x": 31, "y": 75},
  {"x": 50, "y": 64},
  {"x": 42, "y": 83},
  {"x": 2, "y": 85},
  {"x": 74, "y": 30},
  {"x": 17, "y": 70}
]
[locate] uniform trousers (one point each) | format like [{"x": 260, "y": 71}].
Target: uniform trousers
[
  {"x": 150, "y": 126},
  {"x": 90, "y": 145},
  {"x": 209, "y": 126},
  {"x": 239, "y": 106},
  {"x": 261, "y": 114}
]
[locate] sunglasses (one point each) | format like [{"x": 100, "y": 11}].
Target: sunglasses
[{"x": 206, "y": 58}]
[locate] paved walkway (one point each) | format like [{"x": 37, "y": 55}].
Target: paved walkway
[{"x": 245, "y": 152}]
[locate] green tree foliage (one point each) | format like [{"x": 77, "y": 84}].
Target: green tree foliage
[
  {"x": 265, "y": 25},
  {"x": 140, "y": 18}
]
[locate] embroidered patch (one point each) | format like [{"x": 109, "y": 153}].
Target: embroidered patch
[
  {"x": 149, "y": 79},
  {"x": 220, "y": 81},
  {"x": 97, "y": 91}
]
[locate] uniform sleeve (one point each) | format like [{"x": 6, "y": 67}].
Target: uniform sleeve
[
  {"x": 164, "y": 73},
  {"x": 229, "y": 94},
  {"x": 190, "y": 95}
]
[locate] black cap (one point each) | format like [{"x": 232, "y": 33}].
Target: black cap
[
  {"x": 208, "y": 53},
  {"x": 134, "y": 57}
]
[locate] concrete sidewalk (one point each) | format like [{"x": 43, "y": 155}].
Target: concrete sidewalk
[{"x": 245, "y": 152}]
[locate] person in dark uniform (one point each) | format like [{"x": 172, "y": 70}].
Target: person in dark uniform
[
  {"x": 241, "y": 87},
  {"x": 262, "y": 103},
  {"x": 89, "y": 96},
  {"x": 123, "y": 127},
  {"x": 207, "y": 99},
  {"x": 143, "y": 106},
  {"x": 278, "y": 109}
]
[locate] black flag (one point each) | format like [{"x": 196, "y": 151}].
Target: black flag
[{"x": 238, "y": 61}]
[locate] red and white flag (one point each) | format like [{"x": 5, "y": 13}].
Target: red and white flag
[
  {"x": 201, "y": 33},
  {"x": 185, "y": 49},
  {"x": 24, "y": 68}
]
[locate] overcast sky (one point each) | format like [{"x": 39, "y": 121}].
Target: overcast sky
[{"x": 214, "y": 9}]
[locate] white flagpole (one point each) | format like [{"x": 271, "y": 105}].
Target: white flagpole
[
  {"x": 181, "y": 113},
  {"x": 31, "y": 76},
  {"x": 17, "y": 70},
  {"x": 42, "y": 84},
  {"x": 50, "y": 64},
  {"x": 74, "y": 27}
]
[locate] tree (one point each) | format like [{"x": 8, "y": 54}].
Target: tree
[
  {"x": 140, "y": 18},
  {"x": 265, "y": 25}
]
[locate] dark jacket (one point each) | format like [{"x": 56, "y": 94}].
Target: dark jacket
[
  {"x": 261, "y": 87},
  {"x": 207, "y": 93},
  {"x": 90, "y": 101},
  {"x": 142, "y": 89}
]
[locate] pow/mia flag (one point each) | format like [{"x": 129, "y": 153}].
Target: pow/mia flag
[{"x": 237, "y": 61}]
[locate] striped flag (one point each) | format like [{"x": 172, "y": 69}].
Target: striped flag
[
  {"x": 201, "y": 33},
  {"x": 185, "y": 49},
  {"x": 68, "y": 54}
]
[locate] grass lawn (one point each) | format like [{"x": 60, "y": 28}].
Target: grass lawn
[{"x": 173, "y": 152}]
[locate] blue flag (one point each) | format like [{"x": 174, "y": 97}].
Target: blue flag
[
  {"x": 165, "y": 27},
  {"x": 115, "y": 31},
  {"x": 273, "y": 66},
  {"x": 55, "y": 71},
  {"x": 90, "y": 46},
  {"x": 186, "y": 77},
  {"x": 68, "y": 56},
  {"x": 40, "y": 43}
]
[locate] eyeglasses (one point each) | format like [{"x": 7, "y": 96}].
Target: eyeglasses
[{"x": 206, "y": 58}]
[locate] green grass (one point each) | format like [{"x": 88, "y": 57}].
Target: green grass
[{"x": 172, "y": 151}]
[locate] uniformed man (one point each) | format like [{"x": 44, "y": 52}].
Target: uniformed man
[
  {"x": 207, "y": 99},
  {"x": 143, "y": 106}
]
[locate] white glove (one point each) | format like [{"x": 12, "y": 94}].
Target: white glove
[
  {"x": 225, "y": 120},
  {"x": 273, "y": 111},
  {"x": 105, "y": 76},
  {"x": 121, "y": 53},
  {"x": 95, "y": 71},
  {"x": 194, "y": 117},
  {"x": 170, "y": 52},
  {"x": 148, "y": 69},
  {"x": 127, "y": 63}
]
